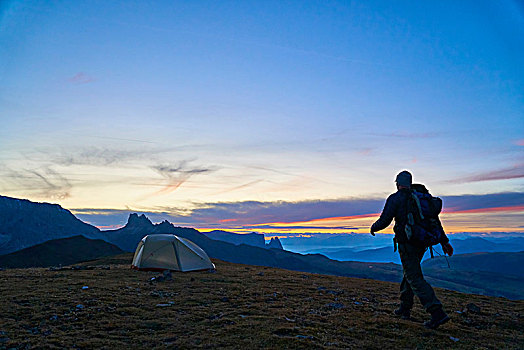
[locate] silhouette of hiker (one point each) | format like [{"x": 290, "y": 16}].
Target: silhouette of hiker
[{"x": 413, "y": 282}]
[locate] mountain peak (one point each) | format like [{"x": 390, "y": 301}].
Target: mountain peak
[
  {"x": 136, "y": 220},
  {"x": 275, "y": 243}
]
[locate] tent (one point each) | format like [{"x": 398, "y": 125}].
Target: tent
[{"x": 161, "y": 252}]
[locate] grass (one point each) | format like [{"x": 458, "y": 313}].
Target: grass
[{"x": 239, "y": 306}]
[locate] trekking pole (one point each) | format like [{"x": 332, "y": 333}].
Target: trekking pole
[{"x": 445, "y": 257}]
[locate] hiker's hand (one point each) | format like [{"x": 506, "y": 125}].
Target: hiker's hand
[
  {"x": 447, "y": 248},
  {"x": 371, "y": 231}
]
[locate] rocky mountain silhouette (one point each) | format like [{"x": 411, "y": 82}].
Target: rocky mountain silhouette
[
  {"x": 274, "y": 243},
  {"x": 24, "y": 224}
]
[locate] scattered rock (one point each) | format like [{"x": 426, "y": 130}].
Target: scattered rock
[
  {"x": 364, "y": 299},
  {"x": 79, "y": 307},
  {"x": 335, "y": 292},
  {"x": 164, "y": 305},
  {"x": 321, "y": 288},
  {"x": 156, "y": 279},
  {"x": 216, "y": 317},
  {"x": 85, "y": 287},
  {"x": 358, "y": 303},
  {"x": 47, "y": 333},
  {"x": 53, "y": 318},
  {"x": 299, "y": 336},
  {"x": 304, "y": 276},
  {"x": 289, "y": 319},
  {"x": 472, "y": 308},
  {"x": 260, "y": 274},
  {"x": 335, "y": 305},
  {"x": 224, "y": 299},
  {"x": 170, "y": 340},
  {"x": 454, "y": 339}
]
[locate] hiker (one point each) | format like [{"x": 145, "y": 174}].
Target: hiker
[{"x": 411, "y": 253}]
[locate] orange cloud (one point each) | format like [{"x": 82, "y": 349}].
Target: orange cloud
[{"x": 486, "y": 210}]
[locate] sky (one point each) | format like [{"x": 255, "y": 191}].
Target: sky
[{"x": 266, "y": 116}]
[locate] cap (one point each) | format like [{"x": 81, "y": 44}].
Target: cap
[{"x": 404, "y": 178}]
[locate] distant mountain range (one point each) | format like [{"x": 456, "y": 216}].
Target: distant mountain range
[
  {"x": 386, "y": 253},
  {"x": 29, "y": 224},
  {"x": 253, "y": 239}
]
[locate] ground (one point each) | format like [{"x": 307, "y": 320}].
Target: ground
[{"x": 110, "y": 306}]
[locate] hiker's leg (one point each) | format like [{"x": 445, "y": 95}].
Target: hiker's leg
[
  {"x": 410, "y": 257},
  {"x": 406, "y": 294}
]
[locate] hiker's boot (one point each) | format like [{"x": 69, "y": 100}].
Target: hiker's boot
[
  {"x": 403, "y": 312},
  {"x": 438, "y": 317}
]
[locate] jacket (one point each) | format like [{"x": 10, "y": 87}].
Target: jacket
[{"x": 396, "y": 208}]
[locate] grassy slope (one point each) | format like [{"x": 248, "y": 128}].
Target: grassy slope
[{"x": 239, "y": 306}]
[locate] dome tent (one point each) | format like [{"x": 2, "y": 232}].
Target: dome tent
[{"x": 161, "y": 252}]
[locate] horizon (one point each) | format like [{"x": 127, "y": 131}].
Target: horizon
[{"x": 266, "y": 117}]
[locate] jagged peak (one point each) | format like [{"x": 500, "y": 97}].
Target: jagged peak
[
  {"x": 165, "y": 223},
  {"x": 138, "y": 220}
]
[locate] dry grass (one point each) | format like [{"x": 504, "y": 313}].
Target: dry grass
[{"x": 239, "y": 306}]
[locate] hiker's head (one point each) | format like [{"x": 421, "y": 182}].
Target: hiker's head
[{"x": 403, "y": 179}]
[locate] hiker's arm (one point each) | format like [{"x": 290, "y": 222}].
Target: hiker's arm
[
  {"x": 447, "y": 248},
  {"x": 386, "y": 217}
]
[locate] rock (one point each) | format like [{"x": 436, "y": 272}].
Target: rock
[
  {"x": 79, "y": 307},
  {"x": 164, "y": 305},
  {"x": 304, "y": 337},
  {"x": 364, "y": 299},
  {"x": 335, "y": 305},
  {"x": 85, "y": 287},
  {"x": 53, "y": 318},
  {"x": 358, "y": 303},
  {"x": 454, "y": 339},
  {"x": 472, "y": 308},
  {"x": 260, "y": 274}
]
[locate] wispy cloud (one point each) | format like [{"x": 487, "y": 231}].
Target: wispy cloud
[
  {"x": 520, "y": 142},
  {"x": 80, "y": 78},
  {"x": 514, "y": 172},
  {"x": 44, "y": 182},
  {"x": 177, "y": 174}
]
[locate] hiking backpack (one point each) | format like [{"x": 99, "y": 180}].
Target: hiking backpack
[{"x": 423, "y": 225}]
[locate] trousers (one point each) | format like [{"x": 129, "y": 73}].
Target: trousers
[{"x": 413, "y": 282}]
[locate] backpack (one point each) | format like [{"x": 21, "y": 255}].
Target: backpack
[{"x": 423, "y": 225}]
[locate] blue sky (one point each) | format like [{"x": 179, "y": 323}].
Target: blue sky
[{"x": 172, "y": 106}]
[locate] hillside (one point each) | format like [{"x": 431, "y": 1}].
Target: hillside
[
  {"x": 24, "y": 224},
  {"x": 239, "y": 306},
  {"x": 64, "y": 251}
]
